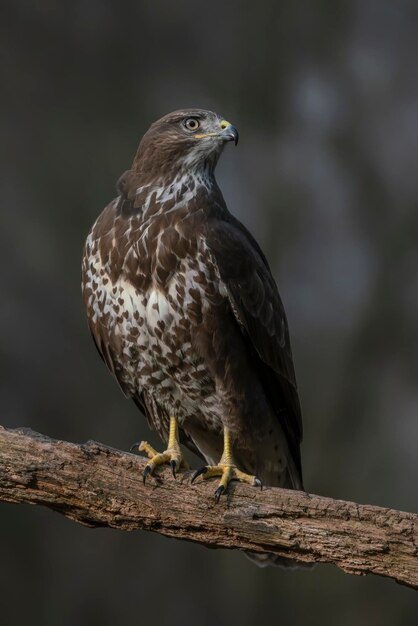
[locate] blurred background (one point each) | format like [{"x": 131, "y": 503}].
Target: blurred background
[{"x": 325, "y": 96}]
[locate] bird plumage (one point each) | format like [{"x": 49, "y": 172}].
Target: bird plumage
[{"x": 184, "y": 310}]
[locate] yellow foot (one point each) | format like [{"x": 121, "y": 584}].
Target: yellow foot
[
  {"x": 170, "y": 456},
  {"x": 227, "y": 473}
]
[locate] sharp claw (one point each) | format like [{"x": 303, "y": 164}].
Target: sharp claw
[
  {"x": 198, "y": 472},
  {"x": 135, "y": 445},
  {"x": 219, "y": 492},
  {"x": 173, "y": 467},
  {"x": 147, "y": 472}
]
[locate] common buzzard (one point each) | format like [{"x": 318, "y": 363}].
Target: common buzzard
[{"x": 185, "y": 312}]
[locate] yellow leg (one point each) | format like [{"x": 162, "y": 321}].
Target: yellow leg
[
  {"x": 226, "y": 469},
  {"x": 171, "y": 456}
]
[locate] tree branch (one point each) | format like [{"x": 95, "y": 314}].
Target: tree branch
[{"x": 99, "y": 486}]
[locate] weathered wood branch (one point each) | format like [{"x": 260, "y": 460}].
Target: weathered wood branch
[{"x": 99, "y": 486}]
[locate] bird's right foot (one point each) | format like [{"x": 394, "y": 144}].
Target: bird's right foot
[{"x": 171, "y": 456}]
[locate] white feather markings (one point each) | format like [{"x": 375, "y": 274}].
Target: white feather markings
[{"x": 158, "y": 307}]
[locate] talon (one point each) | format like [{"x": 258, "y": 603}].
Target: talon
[
  {"x": 220, "y": 490},
  {"x": 147, "y": 472},
  {"x": 172, "y": 456},
  {"x": 227, "y": 470},
  {"x": 135, "y": 445},
  {"x": 199, "y": 472}
]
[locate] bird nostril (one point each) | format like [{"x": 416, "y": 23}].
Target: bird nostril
[{"x": 224, "y": 125}]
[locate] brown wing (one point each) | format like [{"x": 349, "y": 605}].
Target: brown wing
[{"x": 257, "y": 306}]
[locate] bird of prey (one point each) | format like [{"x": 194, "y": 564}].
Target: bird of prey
[{"x": 186, "y": 314}]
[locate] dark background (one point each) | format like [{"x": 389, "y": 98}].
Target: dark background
[{"x": 325, "y": 95}]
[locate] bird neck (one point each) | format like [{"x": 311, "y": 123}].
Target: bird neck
[{"x": 175, "y": 192}]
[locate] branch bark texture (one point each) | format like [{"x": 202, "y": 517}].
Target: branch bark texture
[{"x": 99, "y": 486}]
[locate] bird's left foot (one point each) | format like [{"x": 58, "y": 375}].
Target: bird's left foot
[{"x": 227, "y": 473}]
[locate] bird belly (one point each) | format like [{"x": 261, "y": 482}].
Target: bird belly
[
  {"x": 150, "y": 334},
  {"x": 150, "y": 337}
]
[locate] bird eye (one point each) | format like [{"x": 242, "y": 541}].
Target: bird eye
[{"x": 191, "y": 123}]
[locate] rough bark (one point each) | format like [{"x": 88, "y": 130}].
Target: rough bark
[{"x": 99, "y": 486}]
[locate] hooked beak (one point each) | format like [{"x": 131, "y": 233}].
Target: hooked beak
[{"x": 229, "y": 132}]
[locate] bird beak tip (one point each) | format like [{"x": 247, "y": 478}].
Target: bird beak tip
[{"x": 231, "y": 134}]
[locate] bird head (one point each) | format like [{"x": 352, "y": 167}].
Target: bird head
[{"x": 187, "y": 139}]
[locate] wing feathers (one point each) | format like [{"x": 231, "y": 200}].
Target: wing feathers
[{"x": 256, "y": 304}]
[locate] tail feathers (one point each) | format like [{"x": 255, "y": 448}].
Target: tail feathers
[
  {"x": 289, "y": 478},
  {"x": 266, "y": 560}
]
